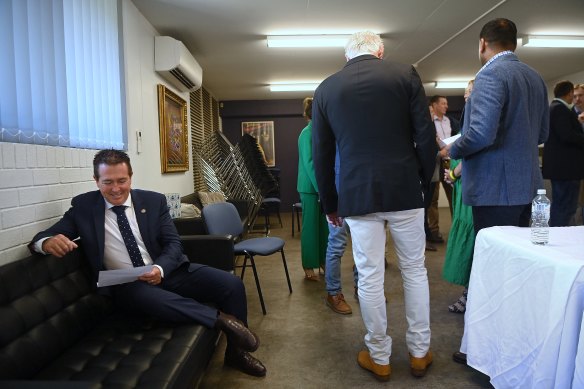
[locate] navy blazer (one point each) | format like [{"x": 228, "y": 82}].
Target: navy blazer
[
  {"x": 376, "y": 112},
  {"x": 506, "y": 117},
  {"x": 563, "y": 153},
  {"x": 86, "y": 219}
]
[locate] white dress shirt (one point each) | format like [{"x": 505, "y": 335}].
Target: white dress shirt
[{"x": 115, "y": 253}]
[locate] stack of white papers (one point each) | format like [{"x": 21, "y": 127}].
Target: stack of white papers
[{"x": 121, "y": 276}]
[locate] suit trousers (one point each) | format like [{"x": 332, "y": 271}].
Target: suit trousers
[
  {"x": 500, "y": 215},
  {"x": 433, "y": 215},
  {"x": 186, "y": 295},
  {"x": 368, "y": 238},
  {"x": 564, "y": 202}
]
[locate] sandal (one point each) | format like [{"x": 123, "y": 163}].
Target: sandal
[
  {"x": 310, "y": 276},
  {"x": 460, "y": 305}
]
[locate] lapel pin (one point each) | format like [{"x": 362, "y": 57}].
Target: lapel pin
[{"x": 143, "y": 210}]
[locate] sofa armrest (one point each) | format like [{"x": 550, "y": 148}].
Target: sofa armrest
[
  {"x": 211, "y": 250},
  {"x": 190, "y": 225}
]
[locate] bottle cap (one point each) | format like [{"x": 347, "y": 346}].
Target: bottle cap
[{"x": 540, "y": 191}]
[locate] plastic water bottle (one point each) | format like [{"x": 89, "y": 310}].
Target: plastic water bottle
[{"x": 540, "y": 216}]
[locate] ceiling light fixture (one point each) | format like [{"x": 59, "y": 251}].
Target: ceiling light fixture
[
  {"x": 553, "y": 41},
  {"x": 293, "y": 86},
  {"x": 307, "y": 40},
  {"x": 450, "y": 84}
]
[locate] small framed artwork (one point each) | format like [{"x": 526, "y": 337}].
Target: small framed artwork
[
  {"x": 174, "y": 137},
  {"x": 263, "y": 132}
]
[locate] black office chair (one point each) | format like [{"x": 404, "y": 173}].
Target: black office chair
[{"x": 221, "y": 219}]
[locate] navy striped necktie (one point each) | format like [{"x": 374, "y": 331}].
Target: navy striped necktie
[{"x": 129, "y": 239}]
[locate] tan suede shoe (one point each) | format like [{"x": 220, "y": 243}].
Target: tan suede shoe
[
  {"x": 381, "y": 372},
  {"x": 419, "y": 366},
  {"x": 338, "y": 304}
]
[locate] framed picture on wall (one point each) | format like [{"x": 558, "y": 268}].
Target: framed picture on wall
[
  {"x": 174, "y": 137},
  {"x": 263, "y": 132}
]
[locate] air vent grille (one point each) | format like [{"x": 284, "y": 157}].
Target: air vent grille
[{"x": 182, "y": 78}]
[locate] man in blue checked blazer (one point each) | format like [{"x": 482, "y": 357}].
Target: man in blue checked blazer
[{"x": 505, "y": 119}]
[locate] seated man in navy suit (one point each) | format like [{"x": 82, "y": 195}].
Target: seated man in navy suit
[{"x": 122, "y": 227}]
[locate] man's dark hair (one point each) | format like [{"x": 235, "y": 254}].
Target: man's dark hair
[
  {"x": 500, "y": 32},
  {"x": 110, "y": 157},
  {"x": 562, "y": 88},
  {"x": 436, "y": 98}
]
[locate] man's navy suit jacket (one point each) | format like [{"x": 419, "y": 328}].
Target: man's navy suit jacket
[
  {"x": 563, "y": 154},
  {"x": 86, "y": 219},
  {"x": 377, "y": 114}
]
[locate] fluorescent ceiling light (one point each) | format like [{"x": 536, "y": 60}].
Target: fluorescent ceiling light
[
  {"x": 451, "y": 84},
  {"x": 293, "y": 87},
  {"x": 307, "y": 40},
  {"x": 553, "y": 41}
]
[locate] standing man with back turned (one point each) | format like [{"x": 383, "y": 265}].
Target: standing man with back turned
[
  {"x": 505, "y": 119},
  {"x": 375, "y": 112}
]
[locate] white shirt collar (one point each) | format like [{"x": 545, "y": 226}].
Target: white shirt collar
[
  {"x": 563, "y": 102},
  {"x": 494, "y": 57},
  {"x": 127, "y": 203}
]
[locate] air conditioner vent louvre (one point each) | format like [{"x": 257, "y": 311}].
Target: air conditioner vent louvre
[{"x": 183, "y": 78}]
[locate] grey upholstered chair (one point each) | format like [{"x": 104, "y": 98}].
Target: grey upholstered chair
[{"x": 221, "y": 219}]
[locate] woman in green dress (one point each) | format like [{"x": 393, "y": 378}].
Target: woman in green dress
[
  {"x": 314, "y": 236},
  {"x": 459, "y": 252}
]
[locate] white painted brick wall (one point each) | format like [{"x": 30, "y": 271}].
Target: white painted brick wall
[
  {"x": 36, "y": 187},
  {"x": 8, "y": 159},
  {"x": 46, "y": 176},
  {"x": 15, "y": 178},
  {"x": 20, "y": 156},
  {"x": 33, "y": 195},
  {"x": 19, "y": 216},
  {"x": 31, "y": 158},
  {"x": 8, "y": 198}
]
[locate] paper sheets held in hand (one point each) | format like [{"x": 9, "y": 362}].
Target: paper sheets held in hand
[
  {"x": 121, "y": 276},
  {"x": 451, "y": 139}
]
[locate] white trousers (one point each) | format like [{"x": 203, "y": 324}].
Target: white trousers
[{"x": 368, "y": 236}]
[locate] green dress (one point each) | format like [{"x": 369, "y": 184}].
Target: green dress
[
  {"x": 461, "y": 239},
  {"x": 314, "y": 238}
]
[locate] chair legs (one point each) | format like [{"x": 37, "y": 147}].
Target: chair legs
[
  {"x": 286, "y": 270},
  {"x": 293, "y": 210},
  {"x": 296, "y": 209},
  {"x": 257, "y": 279}
]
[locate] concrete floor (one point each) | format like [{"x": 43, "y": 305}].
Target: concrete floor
[{"x": 306, "y": 345}]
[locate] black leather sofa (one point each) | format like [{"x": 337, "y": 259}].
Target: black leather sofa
[{"x": 57, "y": 331}]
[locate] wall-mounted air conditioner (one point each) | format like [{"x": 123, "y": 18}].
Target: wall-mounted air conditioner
[{"x": 174, "y": 62}]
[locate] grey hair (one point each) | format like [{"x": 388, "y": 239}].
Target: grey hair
[{"x": 363, "y": 42}]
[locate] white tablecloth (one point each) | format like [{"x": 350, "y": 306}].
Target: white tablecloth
[{"x": 525, "y": 308}]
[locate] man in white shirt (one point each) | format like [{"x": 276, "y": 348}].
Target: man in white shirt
[{"x": 445, "y": 128}]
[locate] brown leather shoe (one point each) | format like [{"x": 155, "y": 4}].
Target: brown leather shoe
[
  {"x": 381, "y": 372},
  {"x": 243, "y": 361},
  {"x": 419, "y": 366},
  {"x": 237, "y": 333},
  {"x": 338, "y": 304}
]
